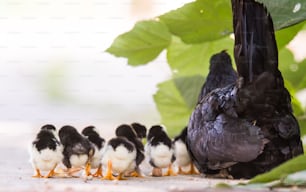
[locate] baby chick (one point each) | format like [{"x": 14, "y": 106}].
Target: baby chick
[
  {"x": 181, "y": 153},
  {"x": 160, "y": 151},
  {"x": 78, "y": 151},
  {"x": 120, "y": 154},
  {"x": 46, "y": 151},
  {"x": 140, "y": 130},
  {"x": 98, "y": 142},
  {"x": 134, "y": 134}
]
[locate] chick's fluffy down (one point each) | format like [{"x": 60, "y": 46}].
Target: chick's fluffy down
[
  {"x": 181, "y": 154},
  {"x": 46, "y": 159},
  {"x": 122, "y": 159},
  {"x": 160, "y": 155}
]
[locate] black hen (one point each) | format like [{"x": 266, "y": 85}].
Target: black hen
[
  {"x": 221, "y": 74},
  {"x": 248, "y": 127}
]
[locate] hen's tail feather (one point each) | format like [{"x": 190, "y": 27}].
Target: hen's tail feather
[{"x": 255, "y": 46}]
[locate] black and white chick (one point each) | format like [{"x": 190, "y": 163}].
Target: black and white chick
[
  {"x": 181, "y": 154},
  {"x": 159, "y": 150},
  {"x": 78, "y": 151},
  {"x": 120, "y": 154},
  {"x": 92, "y": 134},
  {"x": 135, "y": 136},
  {"x": 140, "y": 130},
  {"x": 46, "y": 151}
]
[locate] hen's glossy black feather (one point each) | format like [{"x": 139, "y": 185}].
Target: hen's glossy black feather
[
  {"x": 247, "y": 127},
  {"x": 221, "y": 74},
  {"x": 218, "y": 137}
]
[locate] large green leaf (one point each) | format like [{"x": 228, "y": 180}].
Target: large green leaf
[
  {"x": 197, "y": 22},
  {"x": 291, "y": 166},
  {"x": 284, "y": 36},
  {"x": 205, "y": 20},
  {"x": 189, "y": 88},
  {"x": 296, "y": 104},
  {"x": 193, "y": 59},
  {"x": 292, "y": 71},
  {"x": 175, "y": 100},
  {"x": 172, "y": 107},
  {"x": 200, "y": 21},
  {"x": 143, "y": 43},
  {"x": 298, "y": 110},
  {"x": 302, "y": 123},
  {"x": 286, "y": 12}
]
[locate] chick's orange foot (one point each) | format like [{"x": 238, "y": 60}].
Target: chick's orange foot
[
  {"x": 170, "y": 171},
  {"x": 98, "y": 173},
  {"x": 37, "y": 174}
]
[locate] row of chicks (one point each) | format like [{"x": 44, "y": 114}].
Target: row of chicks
[{"x": 121, "y": 155}]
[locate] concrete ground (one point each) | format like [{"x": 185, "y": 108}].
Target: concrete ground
[{"x": 16, "y": 172}]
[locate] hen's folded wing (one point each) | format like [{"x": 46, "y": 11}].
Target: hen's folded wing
[{"x": 225, "y": 140}]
